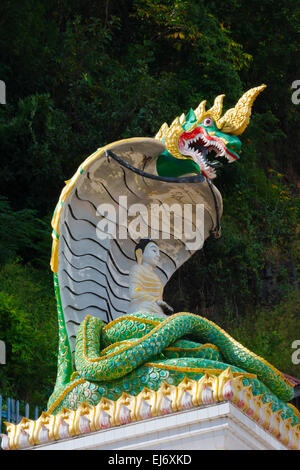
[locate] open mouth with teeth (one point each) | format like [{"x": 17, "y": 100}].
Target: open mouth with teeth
[{"x": 203, "y": 149}]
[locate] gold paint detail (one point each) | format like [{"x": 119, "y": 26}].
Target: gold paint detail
[
  {"x": 203, "y": 346},
  {"x": 234, "y": 121},
  {"x": 197, "y": 369},
  {"x": 294, "y": 409},
  {"x": 131, "y": 345},
  {"x": 141, "y": 320},
  {"x": 68, "y": 188},
  {"x": 158, "y": 325},
  {"x": 227, "y": 386},
  {"x": 64, "y": 393}
]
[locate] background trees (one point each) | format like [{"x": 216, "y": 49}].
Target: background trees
[{"x": 80, "y": 74}]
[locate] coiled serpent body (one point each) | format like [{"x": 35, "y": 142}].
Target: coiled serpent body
[{"x": 141, "y": 350}]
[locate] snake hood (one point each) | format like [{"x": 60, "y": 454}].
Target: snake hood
[
  {"x": 193, "y": 139},
  {"x": 91, "y": 271}
]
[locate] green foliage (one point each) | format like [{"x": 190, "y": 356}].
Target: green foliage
[
  {"x": 23, "y": 235},
  {"x": 28, "y": 325},
  {"x": 259, "y": 226},
  {"x": 270, "y": 332},
  {"x": 33, "y": 148}
]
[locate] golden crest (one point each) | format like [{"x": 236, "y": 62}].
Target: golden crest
[{"x": 234, "y": 121}]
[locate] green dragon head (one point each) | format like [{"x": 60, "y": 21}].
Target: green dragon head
[{"x": 204, "y": 134}]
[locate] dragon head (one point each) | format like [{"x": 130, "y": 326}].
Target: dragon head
[{"x": 203, "y": 134}]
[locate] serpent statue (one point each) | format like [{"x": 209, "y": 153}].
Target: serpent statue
[{"x": 111, "y": 260}]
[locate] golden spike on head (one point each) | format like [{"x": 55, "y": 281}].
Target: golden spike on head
[
  {"x": 162, "y": 131},
  {"x": 200, "y": 110},
  {"x": 216, "y": 110},
  {"x": 182, "y": 119},
  {"x": 236, "y": 119},
  {"x": 172, "y": 137}
]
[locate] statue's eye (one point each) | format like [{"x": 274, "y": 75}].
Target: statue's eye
[{"x": 207, "y": 121}]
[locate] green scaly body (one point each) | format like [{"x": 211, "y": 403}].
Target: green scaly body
[{"x": 141, "y": 350}]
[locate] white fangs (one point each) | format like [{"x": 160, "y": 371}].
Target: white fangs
[
  {"x": 209, "y": 145},
  {"x": 197, "y": 156}
]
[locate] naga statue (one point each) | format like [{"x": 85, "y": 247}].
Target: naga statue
[{"x": 116, "y": 332}]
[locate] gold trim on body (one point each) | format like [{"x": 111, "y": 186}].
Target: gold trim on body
[
  {"x": 160, "y": 325},
  {"x": 202, "y": 370},
  {"x": 210, "y": 389},
  {"x": 64, "y": 394}
]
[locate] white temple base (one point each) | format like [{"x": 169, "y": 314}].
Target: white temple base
[{"x": 220, "y": 426}]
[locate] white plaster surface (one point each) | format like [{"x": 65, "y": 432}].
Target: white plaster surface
[{"x": 219, "y": 426}]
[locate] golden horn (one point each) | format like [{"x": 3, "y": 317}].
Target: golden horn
[
  {"x": 162, "y": 131},
  {"x": 172, "y": 136},
  {"x": 236, "y": 119},
  {"x": 200, "y": 110},
  {"x": 216, "y": 110},
  {"x": 182, "y": 119}
]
